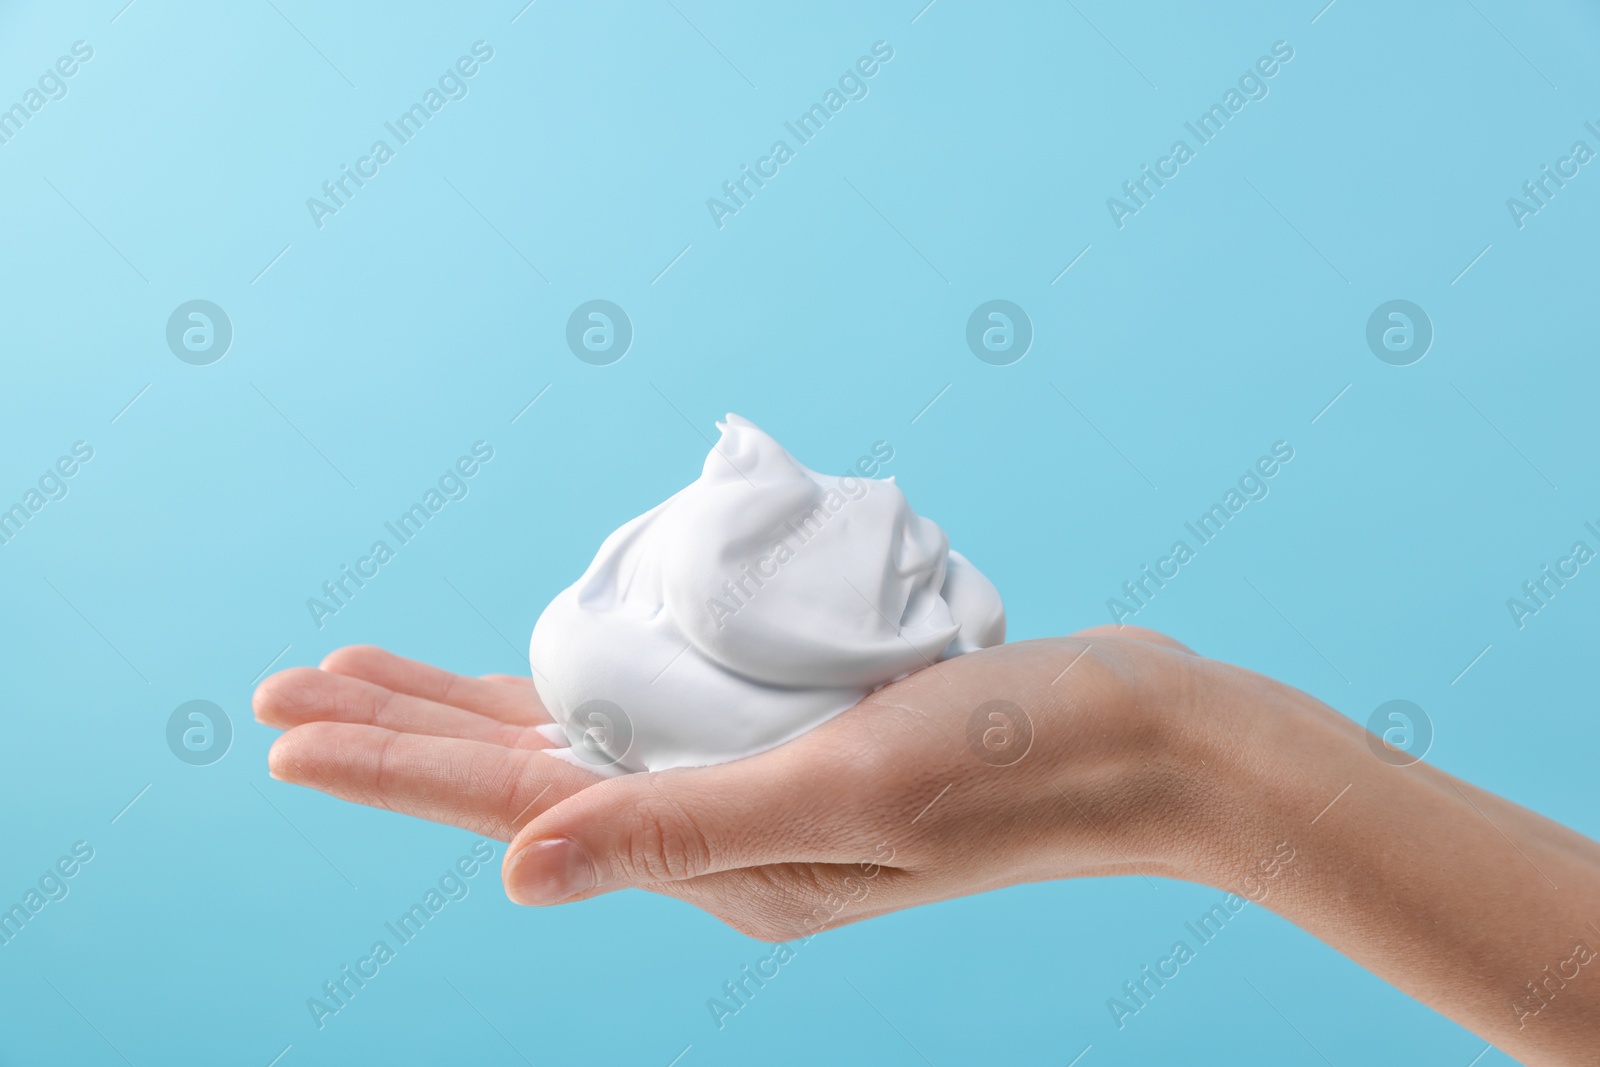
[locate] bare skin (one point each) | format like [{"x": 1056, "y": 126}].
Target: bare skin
[{"x": 1144, "y": 759}]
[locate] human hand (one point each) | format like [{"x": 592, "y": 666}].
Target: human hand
[
  {"x": 1117, "y": 751},
  {"x": 894, "y": 803}
]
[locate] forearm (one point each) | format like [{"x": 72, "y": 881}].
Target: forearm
[{"x": 1477, "y": 907}]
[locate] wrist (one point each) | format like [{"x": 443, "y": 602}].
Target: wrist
[
  {"x": 1261, "y": 763},
  {"x": 1173, "y": 764}
]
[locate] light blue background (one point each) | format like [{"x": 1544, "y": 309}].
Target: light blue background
[{"x": 1221, "y": 319}]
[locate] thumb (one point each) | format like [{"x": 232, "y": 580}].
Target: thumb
[
  {"x": 1135, "y": 633},
  {"x": 671, "y": 826}
]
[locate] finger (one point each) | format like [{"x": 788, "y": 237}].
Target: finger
[
  {"x": 1136, "y": 633},
  {"x": 503, "y": 702},
  {"x": 487, "y": 789},
  {"x": 508, "y": 679},
  {"x": 676, "y": 825},
  {"x": 305, "y": 694}
]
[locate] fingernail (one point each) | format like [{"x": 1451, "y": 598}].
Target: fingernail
[{"x": 548, "y": 872}]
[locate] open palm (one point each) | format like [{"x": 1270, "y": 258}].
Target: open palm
[{"x": 896, "y": 802}]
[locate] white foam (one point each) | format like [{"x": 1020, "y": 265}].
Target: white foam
[{"x": 751, "y": 606}]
